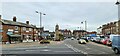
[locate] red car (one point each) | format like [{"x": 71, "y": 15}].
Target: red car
[{"x": 105, "y": 41}]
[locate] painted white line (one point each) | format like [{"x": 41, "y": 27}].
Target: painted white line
[
  {"x": 45, "y": 50},
  {"x": 70, "y": 47},
  {"x": 39, "y": 50},
  {"x": 75, "y": 49},
  {"x": 32, "y": 50},
  {"x": 63, "y": 51}
]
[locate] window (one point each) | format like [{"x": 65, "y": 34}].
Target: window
[
  {"x": 24, "y": 28},
  {"x": 0, "y": 26},
  {"x": 16, "y": 27},
  {"x": 30, "y": 29}
]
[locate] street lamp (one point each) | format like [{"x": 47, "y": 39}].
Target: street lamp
[
  {"x": 118, "y": 3},
  {"x": 40, "y": 14},
  {"x": 85, "y": 26}
]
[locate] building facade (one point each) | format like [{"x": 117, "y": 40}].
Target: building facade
[
  {"x": 79, "y": 33},
  {"x": 14, "y": 31},
  {"x": 110, "y": 28},
  {"x": 99, "y": 31},
  {"x": 66, "y": 33}
]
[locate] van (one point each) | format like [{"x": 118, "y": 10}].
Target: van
[
  {"x": 109, "y": 42},
  {"x": 116, "y": 44}
]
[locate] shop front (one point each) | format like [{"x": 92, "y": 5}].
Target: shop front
[{"x": 14, "y": 38}]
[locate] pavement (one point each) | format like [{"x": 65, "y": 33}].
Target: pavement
[
  {"x": 28, "y": 44},
  {"x": 67, "y": 46}
]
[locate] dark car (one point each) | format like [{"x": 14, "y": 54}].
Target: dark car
[{"x": 116, "y": 44}]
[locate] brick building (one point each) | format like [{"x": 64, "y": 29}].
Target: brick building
[
  {"x": 14, "y": 31},
  {"x": 110, "y": 28},
  {"x": 66, "y": 33},
  {"x": 79, "y": 33}
]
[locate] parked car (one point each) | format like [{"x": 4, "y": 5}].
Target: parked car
[
  {"x": 116, "y": 44},
  {"x": 82, "y": 41},
  {"x": 105, "y": 41},
  {"x": 93, "y": 39},
  {"x": 78, "y": 38},
  {"x": 97, "y": 40},
  {"x": 72, "y": 38},
  {"x": 44, "y": 42},
  {"x": 109, "y": 43},
  {"x": 102, "y": 38},
  {"x": 85, "y": 38}
]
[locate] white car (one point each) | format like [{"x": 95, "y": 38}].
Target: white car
[
  {"x": 82, "y": 41},
  {"x": 72, "y": 38}
]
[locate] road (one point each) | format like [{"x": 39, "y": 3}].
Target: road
[
  {"x": 90, "y": 47},
  {"x": 67, "y": 46}
]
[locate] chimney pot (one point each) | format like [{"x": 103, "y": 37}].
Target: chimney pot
[
  {"x": 14, "y": 18},
  {"x": 27, "y": 22}
]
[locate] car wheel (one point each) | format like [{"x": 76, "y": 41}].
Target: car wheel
[{"x": 116, "y": 51}]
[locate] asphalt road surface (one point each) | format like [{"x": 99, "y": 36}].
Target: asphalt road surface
[{"x": 68, "y": 46}]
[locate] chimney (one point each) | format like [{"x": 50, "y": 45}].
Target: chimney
[
  {"x": 14, "y": 18},
  {"x": 27, "y": 22}
]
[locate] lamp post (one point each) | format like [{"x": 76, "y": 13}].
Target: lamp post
[
  {"x": 40, "y": 15},
  {"x": 85, "y": 26},
  {"x": 118, "y": 29}
]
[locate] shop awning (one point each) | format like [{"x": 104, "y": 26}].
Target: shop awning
[{"x": 15, "y": 35}]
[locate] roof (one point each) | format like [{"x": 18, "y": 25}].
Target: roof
[
  {"x": 79, "y": 31},
  {"x": 65, "y": 30},
  {"x": 17, "y": 23}
]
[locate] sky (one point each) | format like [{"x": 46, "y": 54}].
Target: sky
[{"x": 66, "y": 14}]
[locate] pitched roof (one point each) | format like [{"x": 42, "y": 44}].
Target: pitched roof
[{"x": 17, "y": 23}]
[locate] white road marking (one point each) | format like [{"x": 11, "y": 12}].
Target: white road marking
[
  {"x": 39, "y": 50},
  {"x": 63, "y": 51},
  {"x": 45, "y": 50},
  {"x": 32, "y": 50},
  {"x": 75, "y": 49}
]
